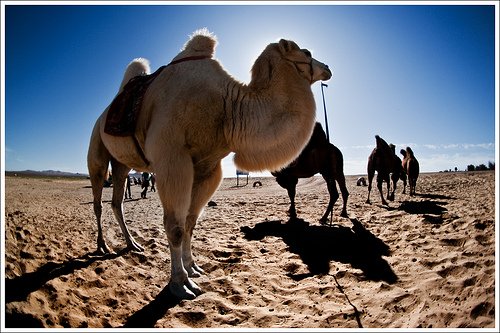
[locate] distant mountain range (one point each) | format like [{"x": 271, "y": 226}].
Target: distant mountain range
[
  {"x": 45, "y": 173},
  {"x": 53, "y": 173}
]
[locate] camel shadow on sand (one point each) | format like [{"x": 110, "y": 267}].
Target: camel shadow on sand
[
  {"x": 318, "y": 245},
  {"x": 18, "y": 289},
  {"x": 423, "y": 207},
  {"x": 153, "y": 311}
]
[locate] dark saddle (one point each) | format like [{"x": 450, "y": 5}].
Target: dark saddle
[{"x": 124, "y": 110}]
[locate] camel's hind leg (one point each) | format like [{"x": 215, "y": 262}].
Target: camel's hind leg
[
  {"x": 120, "y": 172},
  {"x": 98, "y": 161},
  {"x": 338, "y": 160},
  {"x": 345, "y": 194},
  {"x": 334, "y": 195},
  {"x": 201, "y": 193}
]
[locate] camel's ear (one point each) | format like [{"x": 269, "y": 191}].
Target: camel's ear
[{"x": 285, "y": 46}]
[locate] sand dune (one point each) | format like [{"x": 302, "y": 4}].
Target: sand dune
[{"x": 423, "y": 261}]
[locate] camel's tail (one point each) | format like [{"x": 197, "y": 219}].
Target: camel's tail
[{"x": 138, "y": 66}]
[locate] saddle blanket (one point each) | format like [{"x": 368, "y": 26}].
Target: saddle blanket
[{"x": 124, "y": 110}]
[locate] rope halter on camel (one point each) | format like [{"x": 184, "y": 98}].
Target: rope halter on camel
[{"x": 296, "y": 63}]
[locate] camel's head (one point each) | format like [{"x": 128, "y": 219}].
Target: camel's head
[
  {"x": 308, "y": 67},
  {"x": 287, "y": 53},
  {"x": 409, "y": 152}
]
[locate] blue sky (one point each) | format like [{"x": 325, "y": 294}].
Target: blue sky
[{"x": 417, "y": 75}]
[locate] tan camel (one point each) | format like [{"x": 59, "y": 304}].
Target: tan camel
[
  {"x": 403, "y": 164},
  {"x": 411, "y": 168},
  {"x": 193, "y": 115},
  {"x": 383, "y": 159}
]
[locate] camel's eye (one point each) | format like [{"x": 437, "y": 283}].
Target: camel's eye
[{"x": 307, "y": 52}]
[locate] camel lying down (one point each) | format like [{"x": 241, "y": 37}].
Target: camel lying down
[{"x": 194, "y": 114}]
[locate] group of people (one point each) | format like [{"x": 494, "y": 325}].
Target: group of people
[{"x": 147, "y": 179}]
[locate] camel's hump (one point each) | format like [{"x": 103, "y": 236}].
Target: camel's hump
[
  {"x": 381, "y": 143},
  {"x": 201, "y": 42}
]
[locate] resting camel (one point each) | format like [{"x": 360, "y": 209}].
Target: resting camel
[
  {"x": 411, "y": 168},
  {"x": 319, "y": 156},
  {"x": 383, "y": 159},
  {"x": 194, "y": 114}
]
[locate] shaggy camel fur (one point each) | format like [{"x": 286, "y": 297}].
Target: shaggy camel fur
[
  {"x": 383, "y": 159},
  {"x": 411, "y": 168},
  {"x": 319, "y": 156},
  {"x": 193, "y": 115}
]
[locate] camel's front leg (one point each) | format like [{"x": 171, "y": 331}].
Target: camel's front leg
[
  {"x": 380, "y": 180},
  {"x": 394, "y": 182},
  {"x": 174, "y": 179},
  {"x": 371, "y": 173},
  {"x": 180, "y": 285},
  {"x": 204, "y": 186},
  {"x": 292, "y": 212},
  {"x": 190, "y": 266}
]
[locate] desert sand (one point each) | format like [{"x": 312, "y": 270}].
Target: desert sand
[{"x": 420, "y": 262}]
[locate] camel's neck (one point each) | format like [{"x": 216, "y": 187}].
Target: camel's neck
[{"x": 268, "y": 127}]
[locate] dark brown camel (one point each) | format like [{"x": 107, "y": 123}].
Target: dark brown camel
[
  {"x": 411, "y": 168},
  {"x": 383, "y": 159},
  {"x": 319, "y": 156}
]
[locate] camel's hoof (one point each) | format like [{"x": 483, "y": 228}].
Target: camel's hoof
[
  {"x": 344, "y": 214},
  {"x": 103, "y": 249},
  {"x": 189, "y": 290},
  {"x": 134, "y": 246},
  {"x": 194, "y": 271}
]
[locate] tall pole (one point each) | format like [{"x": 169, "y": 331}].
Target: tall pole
[{"x": 324, "y": 108}]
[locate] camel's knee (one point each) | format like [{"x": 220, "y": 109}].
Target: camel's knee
[
  {"x": 175, "y": 235},
  {"x": 116, "y": 205}
]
